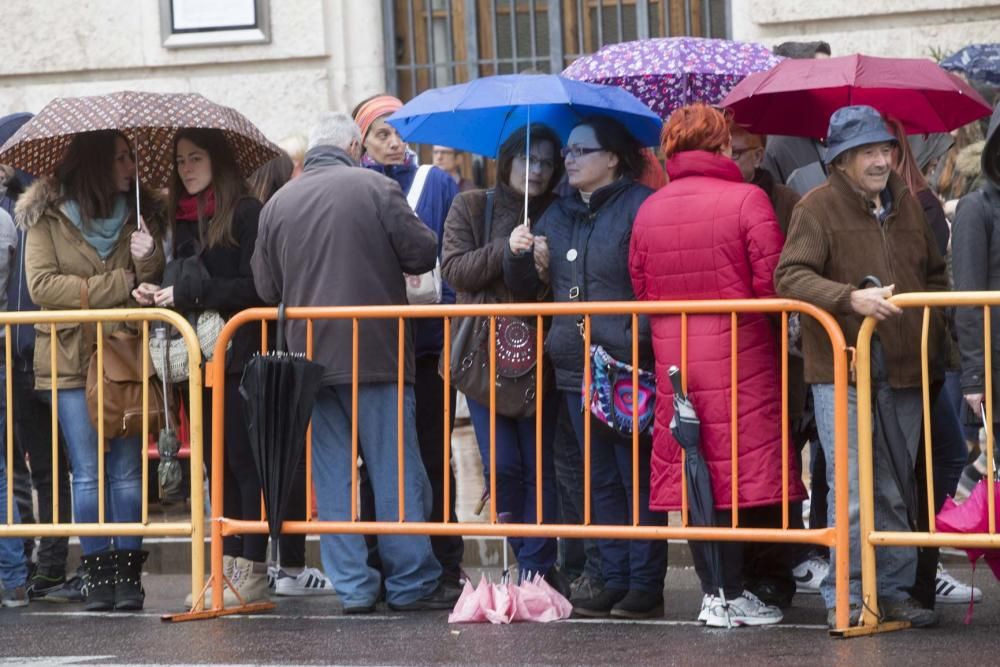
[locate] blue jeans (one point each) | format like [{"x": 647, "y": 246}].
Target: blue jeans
[
  {"x": 13, "y": 570},
  {"x": 411, "y": 571},
  {"x": 625, "y": 564},
  {"x": 122, "y": 474},
  {"x": 896, "y": 566},
  {"x": 950, "y": 451},
  {"x": 515, "y": 465}
]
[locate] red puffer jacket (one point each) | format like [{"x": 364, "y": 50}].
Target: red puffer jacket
[{"x": 709, "y": 235}]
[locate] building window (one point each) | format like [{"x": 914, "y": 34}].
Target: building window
[{"x": 194, "y": 23}]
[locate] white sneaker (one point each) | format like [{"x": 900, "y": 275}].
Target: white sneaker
[
  {"x": 706, "y": 605},
  {"x": 809, "y": 574},
  {"x": 950, "y": 590},
  {"x": 747, "y": 609},
  {"x": 308, "y": 582},
  {"x": 272, "y": 576}
]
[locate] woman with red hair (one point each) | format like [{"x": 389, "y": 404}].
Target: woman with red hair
[{"x": 709, "y": 235}]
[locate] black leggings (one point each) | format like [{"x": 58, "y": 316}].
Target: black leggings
[{"x": 241, "y": 483}]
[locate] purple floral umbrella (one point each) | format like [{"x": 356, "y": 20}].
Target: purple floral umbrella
[{"x": 669, "y": 72}]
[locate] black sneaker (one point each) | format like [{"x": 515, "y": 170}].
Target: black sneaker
[
  {"x": 639, "y": 604},
  {"x": 41, "y": 585},
  {"x": 73, "y": 590},
  {"x": 442, "y": 597},
  {"x": 600, "y": 605},
  {"x": 909, "y": 610}
]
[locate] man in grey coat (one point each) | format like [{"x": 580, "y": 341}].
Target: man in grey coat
[
  {"x": 343, "y": 236},
  {"x": 975, "y": 265}
]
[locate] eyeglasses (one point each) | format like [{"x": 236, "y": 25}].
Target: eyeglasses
[
  {"x": 543, "y": 164},
  {"x": 578, "y": 151},
  {"x": 738, "y": 153}
]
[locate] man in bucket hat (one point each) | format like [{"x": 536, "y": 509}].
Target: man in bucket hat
[{"x": 865, "y": 222}]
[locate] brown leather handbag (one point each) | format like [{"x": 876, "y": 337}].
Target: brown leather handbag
[{"x": 122, "y": 381}]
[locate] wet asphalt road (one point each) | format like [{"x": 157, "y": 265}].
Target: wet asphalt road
[{"x": 311, "y": 631}]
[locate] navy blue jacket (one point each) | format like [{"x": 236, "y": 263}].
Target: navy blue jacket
[
  {"x": 602, "y": 252},
  {"x": 18, "y": 299}
]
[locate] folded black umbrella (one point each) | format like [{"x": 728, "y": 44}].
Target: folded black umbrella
[
  {"x": 686, "y": 429},
  {"x": 889, "y": 438},
  {"x": 279, "y": 390}
]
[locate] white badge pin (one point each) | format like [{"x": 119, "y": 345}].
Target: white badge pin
[{"x": 571, "y": 255}]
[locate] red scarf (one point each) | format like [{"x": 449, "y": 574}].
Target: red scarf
[{"x": 187, "y": 206}]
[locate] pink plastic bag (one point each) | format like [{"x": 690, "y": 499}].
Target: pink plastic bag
[{"x": 533, "y": 600}]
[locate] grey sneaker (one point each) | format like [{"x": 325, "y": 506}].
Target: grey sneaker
[
  {"x": 73, "y": 590},
  {"x": 584, "y": 588},
  {"x": 747, "y": 609},
  {"x": 909, "y": 610},
  {"x": 853, "y": 617},
  {"x": 14, "y": 597}
]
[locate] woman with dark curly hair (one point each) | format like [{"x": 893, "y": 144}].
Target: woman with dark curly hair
[{"x": 580, "y": 248}]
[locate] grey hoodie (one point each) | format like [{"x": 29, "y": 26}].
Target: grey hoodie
[{"x": 976, "y": 266}]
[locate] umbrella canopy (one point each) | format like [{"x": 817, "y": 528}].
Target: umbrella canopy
[
  {"x": 278, "y": 391},
  {"x": 972, "y": 516},
  {"x": 149, "y": 120},
  {"x": 670, "y": 72},
  {"x": 979, "y": 62},
  {"x": 480, "y": 115},
  {"x": 686, "y": 429},
  {"x": 798, "y": 97}
]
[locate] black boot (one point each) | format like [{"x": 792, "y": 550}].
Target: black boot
[
  {"x": 129, "y": 594},
  {"x": 101, "y": 581}
]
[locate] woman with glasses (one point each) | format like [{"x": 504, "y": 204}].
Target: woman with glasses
[
  {"x": 475, "y": 237},
  {"x": 580, "y": 248},
  {"x": 709, "y": 235}
]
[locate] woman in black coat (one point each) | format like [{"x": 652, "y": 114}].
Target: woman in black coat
[
  {"x": 214, "y": 218},
  {"x": 583, "y": 242}
]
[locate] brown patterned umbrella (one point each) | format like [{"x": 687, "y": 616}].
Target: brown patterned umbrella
[{"x": 149, "y": 120}]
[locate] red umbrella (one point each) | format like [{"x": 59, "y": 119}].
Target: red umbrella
[
  {"x": 973, "y": 516},
  {"x": 797, "y": 97}
]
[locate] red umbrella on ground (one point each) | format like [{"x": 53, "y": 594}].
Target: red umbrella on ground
[{"x": 797, "y": 97}]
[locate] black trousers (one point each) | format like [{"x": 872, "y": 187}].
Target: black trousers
[
  {"x": 428, "y": 388},
  {"x": 33, "y": 445},
  {"x": 241, "y": 483},
  {"x": 745, "y": 564}
]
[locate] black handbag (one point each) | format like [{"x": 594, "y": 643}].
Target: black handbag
[{"x": 516, "y": 354}]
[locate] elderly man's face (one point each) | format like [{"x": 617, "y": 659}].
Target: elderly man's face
[
  {"x": 748, "y": 152},
  {"x": 6, "y": 173},
  {"x": 868, "y": 167}
]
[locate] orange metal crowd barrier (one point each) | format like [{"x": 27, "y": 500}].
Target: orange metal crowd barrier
[
  {"x": 194, "y": 528},
  {"x": 836, "y": 536},
  {"x": 871, "y": 538}
]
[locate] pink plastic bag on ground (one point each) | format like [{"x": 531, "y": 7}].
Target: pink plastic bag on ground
[{"x": 534, "y": 600}]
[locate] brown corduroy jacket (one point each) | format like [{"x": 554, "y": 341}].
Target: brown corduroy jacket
[{"x": 834, "y": 242}]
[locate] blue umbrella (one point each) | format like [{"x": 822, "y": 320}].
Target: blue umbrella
[
  {"x": 480, "y": 115},
  {"x": 979, "y": 62}
]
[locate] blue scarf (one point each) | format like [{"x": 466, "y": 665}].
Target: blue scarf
[
  {"x": 101, "y": 233},
  {"x": 401, "y": 173}
]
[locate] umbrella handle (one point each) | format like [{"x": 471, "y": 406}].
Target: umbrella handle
[
  {"x": 280, "y": 342},
  {"x": 674, "y": 374}
]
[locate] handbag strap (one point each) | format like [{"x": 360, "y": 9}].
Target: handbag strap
[{"x": 417, "y": 187}]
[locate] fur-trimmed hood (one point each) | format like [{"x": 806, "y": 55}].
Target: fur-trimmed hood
[
  {"x": 968, "y": 162},
  {"x": 45, "y": 193}
]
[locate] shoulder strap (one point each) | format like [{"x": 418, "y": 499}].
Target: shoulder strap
[
  {"x": 576, "y": 289},
  {"x": 488, "y": 226},
  {"x": 417, "y": 187}
]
